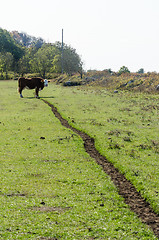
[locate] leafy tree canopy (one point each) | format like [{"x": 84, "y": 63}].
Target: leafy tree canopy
[
  {"x": 7, "y": 44},
  {"x": 30, "y": 55},
  {"x": 26, "y": 40},
  {"x": 141, "y": 70},
  {"x": 124, "y": 69}
]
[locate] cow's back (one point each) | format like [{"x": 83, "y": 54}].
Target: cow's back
[
  {"x": 39, "y": 82},
  {"x": 30, "y": 83}
]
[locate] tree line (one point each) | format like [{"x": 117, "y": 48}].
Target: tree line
[{"x": 23, "y": 54}]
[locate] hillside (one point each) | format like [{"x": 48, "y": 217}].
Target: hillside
[{"x": 146, "y": 82}]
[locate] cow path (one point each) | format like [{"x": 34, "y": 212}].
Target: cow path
[{"x": 133, "y": 198}]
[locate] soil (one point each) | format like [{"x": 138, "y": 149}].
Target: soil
[{"x": 125, "y": 188}]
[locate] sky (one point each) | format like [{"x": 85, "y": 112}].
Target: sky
[{"x": 105, "y": 33}]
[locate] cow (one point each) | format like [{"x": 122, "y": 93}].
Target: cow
[{"x": 36, "y": 83}]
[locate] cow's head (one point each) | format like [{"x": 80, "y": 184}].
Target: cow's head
[{"x": 45, "y": 82}]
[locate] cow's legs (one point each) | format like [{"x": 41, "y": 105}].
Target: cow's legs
[
  {"x": 20, "y": 91},
  {"x": 37, "y": 92}
]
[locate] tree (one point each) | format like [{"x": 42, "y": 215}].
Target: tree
[
  {"x": 48, "y": 59},
  {"x": 7, "y": 44},
  {"x": 6, "y": 60},
  {"x": 43, "y": 59},
  {"x": 141, "y": 70},
  {"x": 24, "y": 63},
  {"x": 30, "y": 54},
  {"x": 56, "y": 63},
  {"x": 26, "y": 40},
  {"x": 124, "y": 69},
  {"x": 71, "y": 60}
]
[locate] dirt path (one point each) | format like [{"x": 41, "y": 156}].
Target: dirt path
[{"x": 133, "y": 198}]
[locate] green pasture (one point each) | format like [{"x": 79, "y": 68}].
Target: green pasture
[
  {"x": 50, "y": 188},
  {"x": 126, "y": 130}
]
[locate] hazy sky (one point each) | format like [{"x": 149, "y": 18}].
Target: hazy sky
[{"x": 105, "y": 33}]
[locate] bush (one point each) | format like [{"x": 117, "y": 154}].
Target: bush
[
  {"x": 71, "y": 83},
  {"x": 124, "y": 69}
]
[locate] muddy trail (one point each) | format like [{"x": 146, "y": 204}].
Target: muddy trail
[{"x": 125, "y": 188}]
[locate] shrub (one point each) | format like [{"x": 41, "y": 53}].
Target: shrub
[{"x": 124, "y": 69}]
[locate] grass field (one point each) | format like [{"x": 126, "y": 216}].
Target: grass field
[
  {"x": 50, "y": 187},
  {"x": 125, "y": 127}
]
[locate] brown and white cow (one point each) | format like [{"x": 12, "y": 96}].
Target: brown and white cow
[{"x": 31, "y": 83}]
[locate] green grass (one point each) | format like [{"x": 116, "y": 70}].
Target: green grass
[
  {"x": 50, "y": 187},
  {"x": 125, "y": 127}
]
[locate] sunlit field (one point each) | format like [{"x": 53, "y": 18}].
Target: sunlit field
[
  {"x": 50, "y": 187},
  {"x": 125, "y": 127}
]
